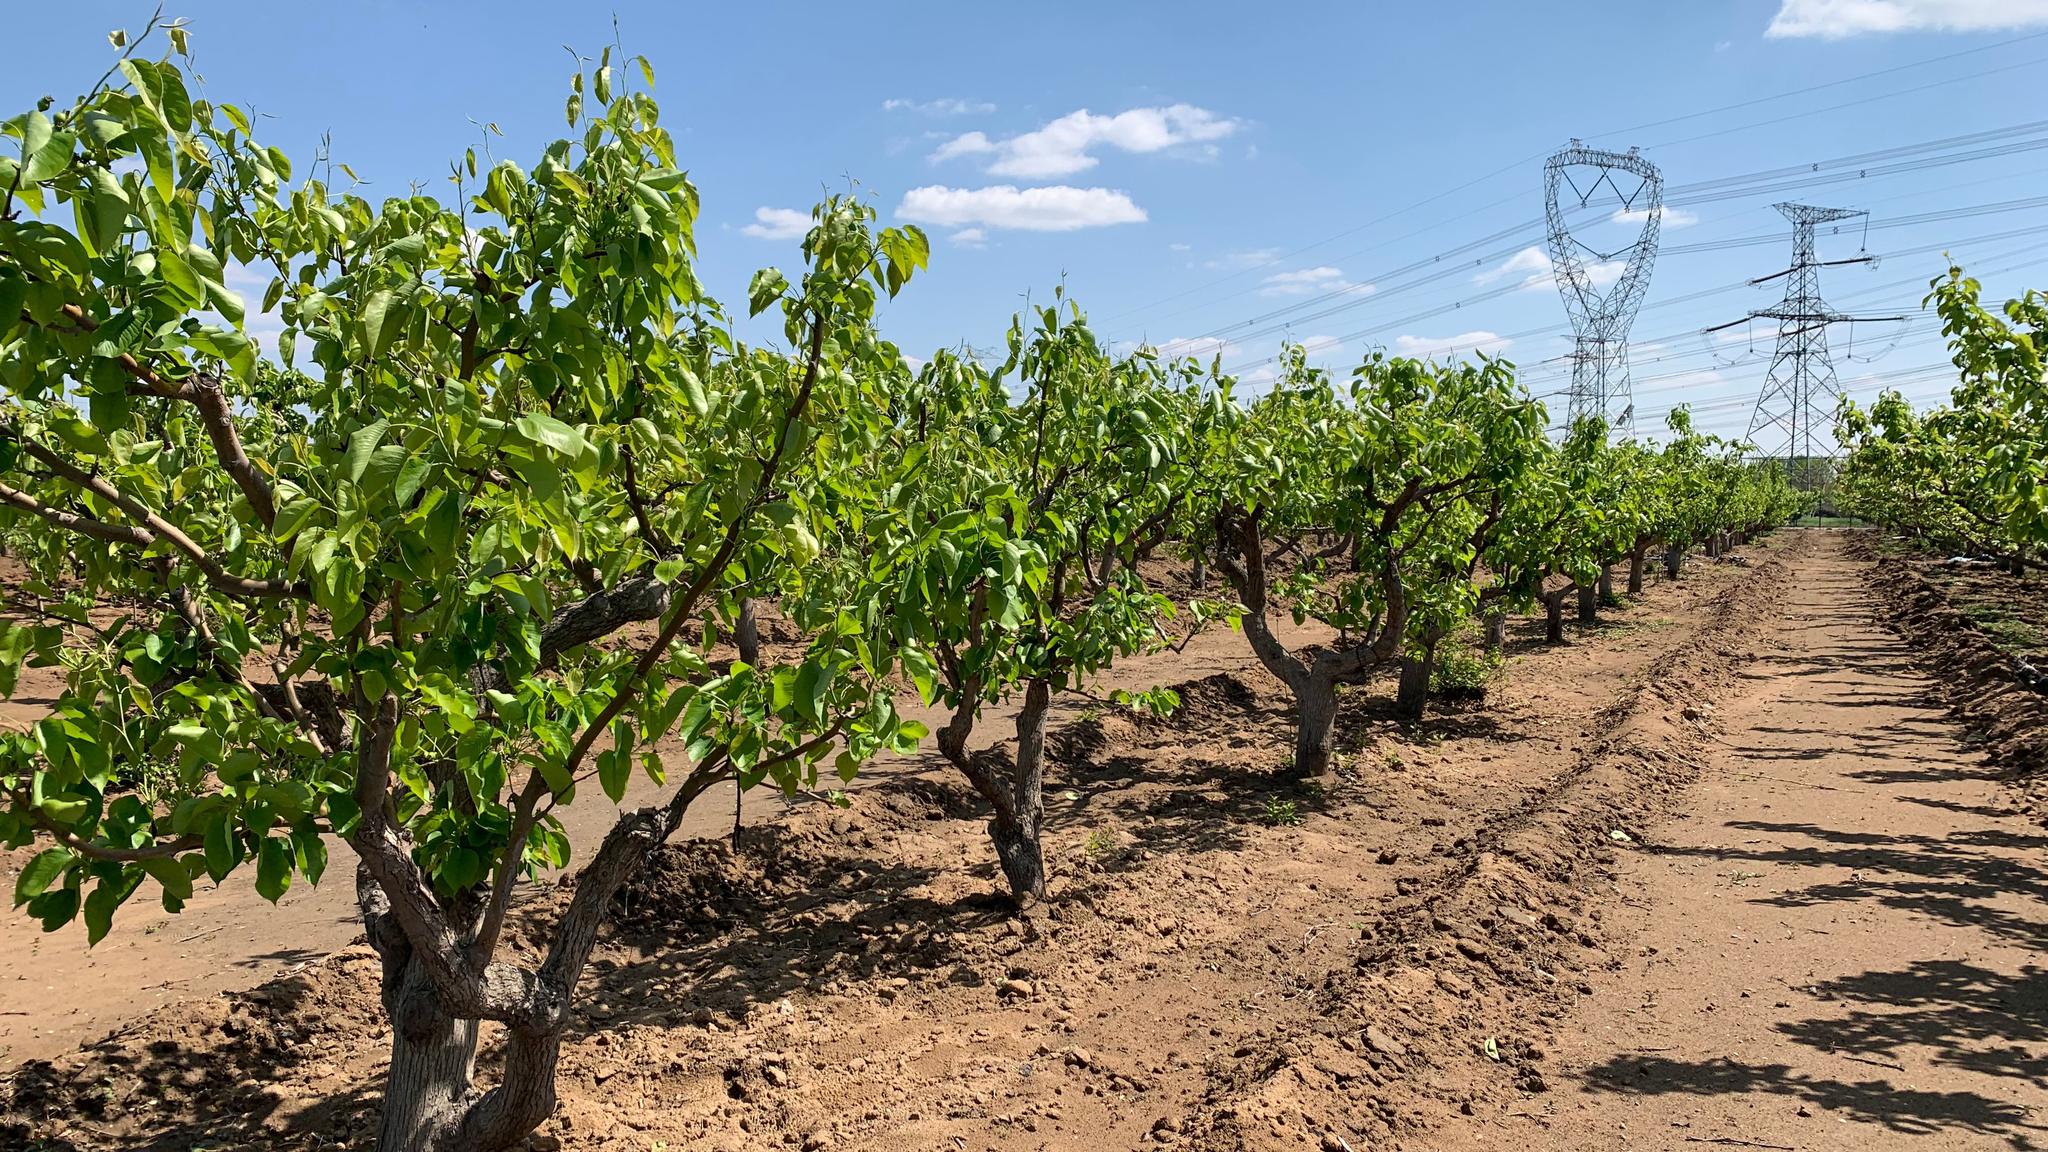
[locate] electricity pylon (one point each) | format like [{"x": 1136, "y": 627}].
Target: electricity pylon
[
  {"x": 1800, "y": 391},
  {"x": 1600, "y": 321}
]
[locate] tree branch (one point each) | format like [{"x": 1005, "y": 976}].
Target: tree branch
[
  {"x": 155, "y": 526},
  {"x": 206, "y": 394}
]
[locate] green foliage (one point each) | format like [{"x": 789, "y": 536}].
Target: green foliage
[
  {"x": 1158, "y": 702},
  {"x": 1975, "y": 472},
  {"x": 1462, "y": 671},
  {"x": 1280, "y": 813},
  {"x": 1024, "y": 521},
  {"x": 517, "y": 409}
]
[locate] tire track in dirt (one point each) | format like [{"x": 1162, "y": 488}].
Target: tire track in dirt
[
  {"x": 1838, "y": 947},
  {"x": 1486, "y": 948}
]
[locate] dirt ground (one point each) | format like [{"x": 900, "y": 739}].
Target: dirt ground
[
  {"x": 1839, "y": 946},
  {"x": 1716, "y": 862}
]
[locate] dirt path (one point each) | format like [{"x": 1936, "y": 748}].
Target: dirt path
[{"x": 1841, "y": 946}]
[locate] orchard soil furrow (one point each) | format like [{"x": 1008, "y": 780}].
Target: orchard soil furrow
[
  {"x": 1971, "y": 626},
  {"x": 1229, "y": 960}
]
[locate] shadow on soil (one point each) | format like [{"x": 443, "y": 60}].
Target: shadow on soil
[{"x": 1971, "y": 1018}]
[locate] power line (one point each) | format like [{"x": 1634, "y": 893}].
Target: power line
[
  {"x": 1526, "y": 235},
  {"x": 1675, "y": 250},
  {"x": 1514, "y": 165}
]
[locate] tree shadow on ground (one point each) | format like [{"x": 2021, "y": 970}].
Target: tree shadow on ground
[
  {"x": 1954, "y": 880},
  {"x": 1874, "y": 1100},
  {"x": 1971, "y": 1018},
  {"x": 217, "y": 1091}
]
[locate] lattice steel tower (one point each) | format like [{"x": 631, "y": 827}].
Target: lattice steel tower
[
  {"x": 1600, "y": 322},
  {"x": 1795, "y": 412}
]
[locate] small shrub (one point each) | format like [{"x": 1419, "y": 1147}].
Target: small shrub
[
  {"x": 1159, "y": 703},
  {"x": 1099, "y": 843},
  {"x": 1462, "y": 673},
  {"x": 1280, "y": 813}
]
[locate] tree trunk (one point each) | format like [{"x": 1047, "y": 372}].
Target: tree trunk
[
  {"x": 1635, "y": 570},
  {"x": 1315, "y": 726},
  {"x": 1553, "y": 620},
  {"x": 1607, "y": 585},
  {"x": 1496, "y": 629},
  {"x": 1589, "y": 604},
  {"x": 432, "y": 1057},
  {"x": 746, "y": 636},
  {"x": 1199, "y": 578},
  {"x": 746, "y": 633},
  {"x": 1412, "y": 698},
  {"x": 1674, "y": 559},
  {"x": 1017, "y": 833}
]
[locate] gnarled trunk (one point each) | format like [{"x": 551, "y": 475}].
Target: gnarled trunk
[
  {"x": 426, "y": 1089},
  {"x": 1607, "y": 585},
  {"x": 1016, "y": 798},
  {"x": 1674, "y": 558},
  {"x": 1411, "y": 699},
  {"x": 1635, "y": 570},
  {"x": 1017, "y": 833},
  {"x": 1199, "y": 578},
  {"x": 1553, "y": 615},
  {"x": 1589, "y": 604},
  {"x": 1315, "y": 726}
]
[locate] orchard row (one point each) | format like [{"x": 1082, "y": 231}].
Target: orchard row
[{"x": 473, "y": 533}]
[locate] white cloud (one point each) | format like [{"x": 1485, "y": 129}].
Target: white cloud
[
  {"x": 1058, "y": 208},
  {"x": 965, "y": 144},
  {"x": 1247, "y": 258},
  {"x": 1531, "y": 261},
  {"x": 1838, "y": 19},
  {"x": 943, "y": 106},
  {"x": 1203, "y": 348},
  {"x": 1179, "y": 247},
  {"x": 1673, "y": 217},
  {"x": 1420, "y": 346},
  {"x": 1310, "y": 281},
  {"x": 969, "y": 238},
  {"x": 1533, "y": 265},
  {"x": 778, "y": 224},
  {"x": 1064, "y": 146}
]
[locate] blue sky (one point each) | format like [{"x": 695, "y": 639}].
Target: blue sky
[{"x": 1189, "y": 173}]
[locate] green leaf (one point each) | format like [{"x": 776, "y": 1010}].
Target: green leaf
[
  {"x": 178, "y": 274},
  {"x": 37, "y": 876},
  {"x": 693, "y": 390},
  {"x": 767, "y": 287},
  {"x": 55, "y": 909},
  {"x": 410, "y": 477},
  {"x": 381, "y": 323},
  {"x": 544, "y": 429},
  {"x": 222, "y": 852},
  {"x": 361, "y": 443},
  {"x": 613, "y": 772},
  {"x": 50, "y": 157},
  {"x": 273, "y": 868},
  {"x": 171, "y": 873}
]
